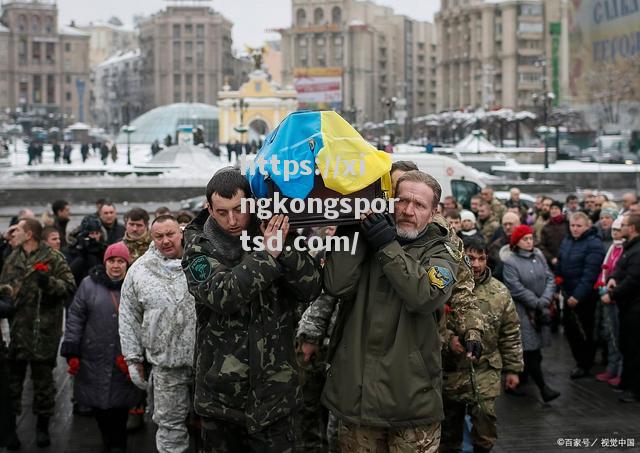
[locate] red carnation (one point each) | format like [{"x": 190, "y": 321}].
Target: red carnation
[
  {"x": 559, "y": 280},
  {"x": 41, "y": 267},
  {"x": 447, "y": 309}
]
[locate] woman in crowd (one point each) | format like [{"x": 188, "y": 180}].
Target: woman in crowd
[
  {"x": 92, "y": 347},
  {"x": 579, "y": 264},
  {"x": 532, "y": 285},
  {"x": 608, "y": 313}
]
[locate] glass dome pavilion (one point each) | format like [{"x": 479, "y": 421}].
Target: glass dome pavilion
[{"x": 161, "y": 121}]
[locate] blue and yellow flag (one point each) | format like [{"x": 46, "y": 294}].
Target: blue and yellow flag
[{"x": 308, "y": 143}]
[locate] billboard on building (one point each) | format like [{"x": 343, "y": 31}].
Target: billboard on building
[
  {"x": 319, "y": 88},
  {"x": 603, "y": 34}
]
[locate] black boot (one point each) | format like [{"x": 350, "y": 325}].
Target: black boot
[
  {"x": 549, "y": 394},
  {"x": 42, "y": 431},
  {"x": 13, "y": 442}
]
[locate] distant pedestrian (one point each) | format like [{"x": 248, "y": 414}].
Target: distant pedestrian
[
  {"x": 104, "y": 153},
  {"x": 56, "y": 152},
  {"x": 66, "y": 153},
  {"x": 114, "y": 152},
  {"x": 84, "y": 151}
]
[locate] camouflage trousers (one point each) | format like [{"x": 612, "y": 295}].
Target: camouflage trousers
[
  {"x": 366, "y": 439},
  {"x": 44, "y": 389},
  {"x": 484, "y": 432},
  {"x": 171, "y": 403},
  {"x": 221, "y": 436},
  {"x": 313, "y": 416}
]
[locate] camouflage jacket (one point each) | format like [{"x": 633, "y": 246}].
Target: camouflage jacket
[
  {"x": 315, "y": 324},
  {"x": 36, "y": 325},
  {"x": 157, "y": 313},
  {"x": 463, "y": 313},
  {"x": 246, "y": 304},
  {"x": 488, "y": 228},
  {"x": 137, "y": 247},
  {"x": 501, "y": 340},
  {"x": 498, "y": 209}
]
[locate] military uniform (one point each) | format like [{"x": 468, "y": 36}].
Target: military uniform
[
  {"x": 247, "y": 386},
  {"x": 498, "y": 209},
  {"x": 463, "y": 315},
  {"x": 137, "y": 247},
  {"x": 36, "y": 325},
  {"x": 384, "y": 376},
  {"x": 488, "y": 228},
  {"x": 479, "y": 386}
]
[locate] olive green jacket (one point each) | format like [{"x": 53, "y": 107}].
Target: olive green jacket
[
  {"x": 36, "y": 325},
  {"x": 385, "y": 362}
]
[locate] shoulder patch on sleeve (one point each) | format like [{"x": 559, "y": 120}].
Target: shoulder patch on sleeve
[
  {"x": 467, "y": 261},
  {"x": 439, "y": 276},
  {"x": 200, "y": 268},
  {"x": 455, "y": 254}
]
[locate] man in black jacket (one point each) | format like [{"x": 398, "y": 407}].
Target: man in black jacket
[{"x": 624, "y": 290}]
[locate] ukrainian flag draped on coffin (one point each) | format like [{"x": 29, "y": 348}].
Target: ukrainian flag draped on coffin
[{"x": 331, "y": 146}]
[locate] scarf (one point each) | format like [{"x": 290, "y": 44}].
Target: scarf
[{"x": 230, "y": 247}]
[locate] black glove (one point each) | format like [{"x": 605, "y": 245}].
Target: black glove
[
  {"x": 474, "y": 347},
  {"x": 43, "y": 279},
  {"x": 378, "y": 230}
]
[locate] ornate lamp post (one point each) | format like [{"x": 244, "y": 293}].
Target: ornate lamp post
[{"x": 128, "y": 129}]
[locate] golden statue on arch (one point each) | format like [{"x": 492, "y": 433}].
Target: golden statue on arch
[{"x": 257, "y": 55}]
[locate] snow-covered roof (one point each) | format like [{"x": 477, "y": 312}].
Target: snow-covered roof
[
  {"x": 567, "y": 166},
  {"x": 120, "y": 56},
  {"x": 475, "y": 143},
  {"x": 105, "y": 24},
  {"x": 3, "y": 29},
  {"x": 72, "y": 31}
]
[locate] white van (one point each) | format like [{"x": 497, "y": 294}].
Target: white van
[{"x": 454, "y": 177}]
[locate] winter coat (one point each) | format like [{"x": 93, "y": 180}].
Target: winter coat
[
  {"x": 605, "y": 236},
  {"x": 85, "y": 254},
  {"x": 157, "y": 313},
  {"x": 494, "y": 258},
  {"x": 488, "y": 228},
  {"x": 531, "y": 283},
  {"x": 113, "y": 234},
  {"x": 385, "y": 360},
  {"x": 36, "y": 325},
  {"x": 551, "y": 236},
  {"x": 579, "y": 264},
  {"x": 627, "y": 276},
  {"x": 247, "y": 306},
  {"x": 91, "y": 334}
]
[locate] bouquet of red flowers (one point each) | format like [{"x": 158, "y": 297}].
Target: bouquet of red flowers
[{"x": 41, "y": 267}]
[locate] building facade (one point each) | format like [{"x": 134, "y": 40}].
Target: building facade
[
  {"x": 107, "y": 39},
  {"x": 360, "y": 59},
  {"x": 117, "y": 94},
  {"x": 44, "y": 67},
  {"x": 494, "y": 54},
  {"x": 187, "y": 56}
]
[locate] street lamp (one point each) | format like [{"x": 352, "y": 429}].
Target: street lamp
[
  {"x": 128, "y": 129},
  {"x": 544, "y": 98},
  {"x": 242, "y": 105}
]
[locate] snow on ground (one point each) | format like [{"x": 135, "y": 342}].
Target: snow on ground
[{"x": 567, "y": 166}]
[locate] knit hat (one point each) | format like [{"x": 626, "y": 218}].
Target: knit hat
[
  {"x": 520, "y": 232},
  {"x": 617, "y": 224},
  {"x": 120, "y": 250},
  {"x": 90, "y": 223},
  {"x": 467, "y": 215},
  {"x": 609, "y": 212}
]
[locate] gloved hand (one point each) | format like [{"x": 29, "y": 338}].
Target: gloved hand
[
  {"x": 136, "y": 373},
  {"x": 42, "y": 278},
  {"x": 122, "y": 365},
  {"x": 74, "y": 366},
  {"x": 378, "y": 229},
  {"x": 474, "y": 349}
]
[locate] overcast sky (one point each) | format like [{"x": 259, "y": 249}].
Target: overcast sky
[{"x": 251, "y": 18}]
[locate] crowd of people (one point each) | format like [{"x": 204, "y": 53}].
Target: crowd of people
[{"x": 382, "y": 347}]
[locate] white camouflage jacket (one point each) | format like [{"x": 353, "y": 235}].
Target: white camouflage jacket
[{"x": 157, "y": 313}]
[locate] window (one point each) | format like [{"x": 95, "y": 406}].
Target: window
[
  {"x": 188, "y": 29},
  {"x": 200, "y": 54},
  {"x": 176, "y": 31},
  {"x": 37, "y": 89},
  {"x": 301, "y": 18},
  {"x": 200, "y": 31},
  {"x": 176, "y": 55},
  {"x": 35, "y": 24},
  {"x": 22, "y": 23},
  {"x": 188, "y": 48},
  {"x": 50, "y": 53},
  {"x": 67, "y": 79},
  {"x": 67, "y": 47},
  {"x": 200, "y": 81},
  {"x": 176, "y": 81},
  {"x": 188, "y": 81},
  {"x": 48, "y": 24},
  {"x": 22, "y": 51},
  {"x": 529, "y": 77},
  {"x": 530, "y": 27},
  {"x": 336, "y": 15},
  {"x": 463, "y": 191},
  {"x": 67, "y": 96},
  {"x": 530, "y": 10},
  {"x": 51, "y": 89},
  {"x": 36, "y": 53},
  {"x": 318, "y": 16}
]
